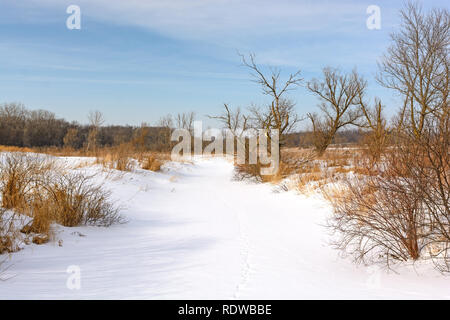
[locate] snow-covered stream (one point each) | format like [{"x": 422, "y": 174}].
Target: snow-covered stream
[{"x": 193, "y": 232}]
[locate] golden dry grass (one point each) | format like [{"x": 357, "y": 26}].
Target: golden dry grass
[
  {"x": 14, "y": 149},
  {"x": 151, "y": 163},
  {"x": 35, "y": 186}
]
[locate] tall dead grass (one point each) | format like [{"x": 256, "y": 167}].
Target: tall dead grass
[
  {"x": 151, "y": 163},
  {"x": 124, "y": 157},
  {"x": 8, "y": 232},
  {"x": 35, "y": 186},
  {"x": 20, "y": 175}
]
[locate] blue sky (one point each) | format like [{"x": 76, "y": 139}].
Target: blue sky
[{"x": 138, "y": 60}]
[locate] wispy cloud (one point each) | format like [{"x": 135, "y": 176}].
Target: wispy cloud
[
  {"x": 179, "y": 45},
  {"x": 196, "y": 19}
]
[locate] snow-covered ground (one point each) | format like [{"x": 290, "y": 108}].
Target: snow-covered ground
[{"x": 194, "y": 233}]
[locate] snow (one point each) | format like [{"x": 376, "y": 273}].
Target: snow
[{"x": 194, "y": 233}]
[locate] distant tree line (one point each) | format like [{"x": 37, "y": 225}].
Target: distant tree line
[
  {"x": 40, "y": 128},
  {"x": 305, "y": 139}
]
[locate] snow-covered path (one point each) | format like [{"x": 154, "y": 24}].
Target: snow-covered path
[{"x": 194, "y": 233}]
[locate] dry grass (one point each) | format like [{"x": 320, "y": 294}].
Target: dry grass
[
  {"x": 35, "y": 186},
  {"x": 335, "y": 157},
  {"x": 6, "y": 234},
  {"x": 75, "y": 200},
  {"x": 9, "y": 235},
  {"x": 14, "y": 149},
  {"x": 151, "y": 163},
  {"x": 311, "y": 170},
  {"x": 310, "y": 180},
  {"x": 41, "y": 218},
  {"x": 117, "y": 158},
  {"x": 19, "y": 176},
  {"x": 122, "y": 157}
]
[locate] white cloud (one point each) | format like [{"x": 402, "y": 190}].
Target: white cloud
[{"x": 212, "y": 19}]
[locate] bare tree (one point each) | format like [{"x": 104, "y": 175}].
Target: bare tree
[
  {"x": 13, "y": 118},
  {"x": 403, "y": 211},
  {"x": 340, "y": 94},
  {"x": 280, "y": 114},
  {"x": 71, "y": 138},
  {"x": 416, "y": 65},
  {"x": 96, "y": 120},
  {"x": 140, "y": 137},
  {"x": 166, "y": 125},
  {"x": 377, "y": 136},
  {"x": 185, "y": 121},
  {"x": 166, "y": 121},
  {"x": 234, "y": 120}
]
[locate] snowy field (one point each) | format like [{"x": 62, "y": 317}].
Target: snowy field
[{"x": 194, "y": 233}]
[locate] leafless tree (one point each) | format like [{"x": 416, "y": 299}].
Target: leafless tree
[
  {"x": 12, "y": 123},
  {"x": 234, "y": 120},
  {"x": 166, "y": 125},
  {"x": 96, "y": 120},
  {"x": 71, "y": 139},
  {"x": 377, "y": 132},
  {"x": 140, "y": 137},
  {"x": 339, "y": 94},
  {"x": 280, "y": 114},
  {"x": 416, "y": 65},
  {"x": 403, "y": 211},
  {"x": 185, "y": 121},
  {"x": 166, "y": 121}
]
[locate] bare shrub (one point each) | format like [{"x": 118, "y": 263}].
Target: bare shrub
[
  {"x": 403, "y": 212},
  {"x": 428, "y": 167},
  {"x": 379, "y": 218}
]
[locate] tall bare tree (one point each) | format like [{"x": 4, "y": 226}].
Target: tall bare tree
[
  {"x": 71, "y": 138},
  {"x": 234, "y": 120},
  {"x": 403, "y": 211},
  {"x": 280, "y": 114},
  {"x": 185, "y": 121},
  {"x": 96, "y": 120},
  {"x": 416, "y": 65},
  {"x": 377, "y": 135},
  {"x": 340, "y": 96}
]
